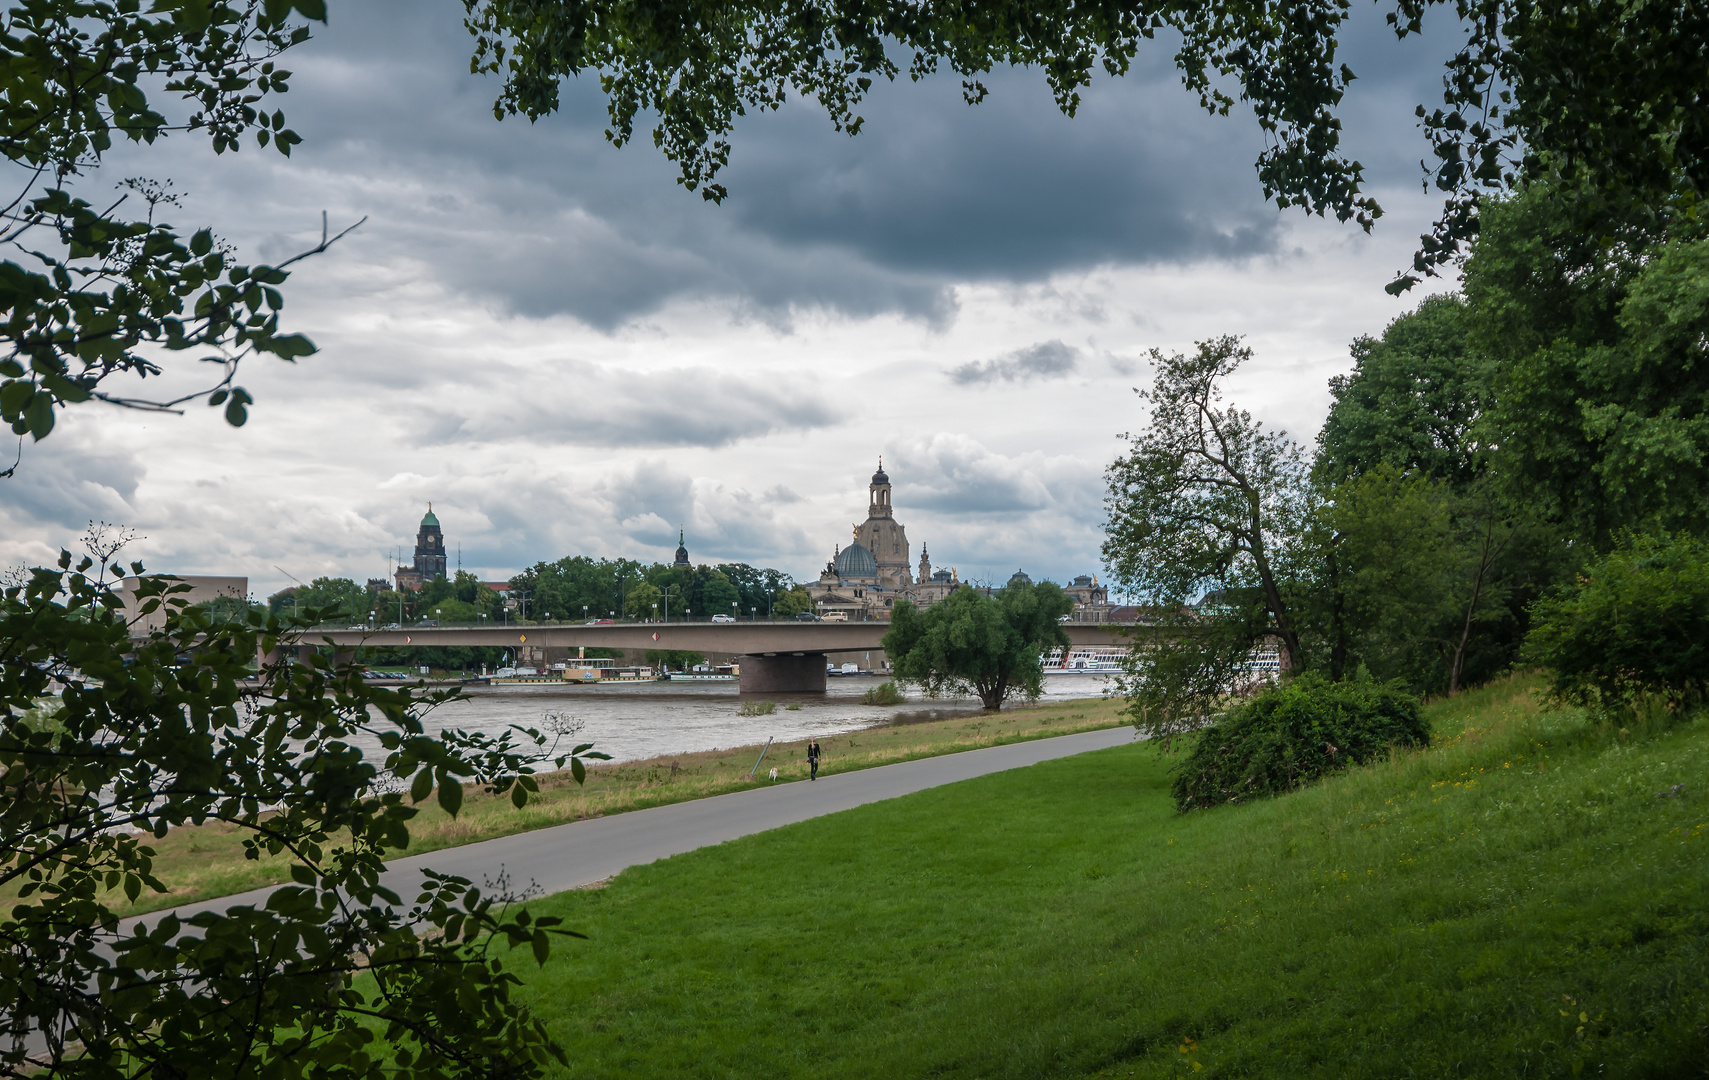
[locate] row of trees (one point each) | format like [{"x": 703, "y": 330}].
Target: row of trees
[
  {"x": 1486, "y": 448},
  {"x": 626, "y": 588}
]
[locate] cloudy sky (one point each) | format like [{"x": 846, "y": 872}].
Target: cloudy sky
[{"x": 568, "y": 353}]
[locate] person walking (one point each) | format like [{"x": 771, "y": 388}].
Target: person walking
[{"x": 813, "y": 760}]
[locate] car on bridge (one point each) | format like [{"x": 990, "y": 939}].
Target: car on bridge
[
  {"x": 807, "y": 616},
  {"x": 723, "y": 618},
  {"x": 599, "y": 622}
]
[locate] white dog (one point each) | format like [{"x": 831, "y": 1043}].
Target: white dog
[{"x": 774, "y": 774}]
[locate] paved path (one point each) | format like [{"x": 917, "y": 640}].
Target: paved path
[{"x": 583, "y": 852}]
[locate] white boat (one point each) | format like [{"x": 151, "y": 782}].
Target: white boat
[{"x": 1085, "y": 660}]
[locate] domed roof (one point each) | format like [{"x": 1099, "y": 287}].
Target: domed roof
[
  {"x": 428, "y": 520},
  {"x": 681, "y": 549},
  {"x": 880, "y": 477},
  {"x": 1020, "y": 578},
  {"x": 856, "y": 561}
]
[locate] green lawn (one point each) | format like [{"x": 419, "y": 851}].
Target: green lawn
[{"x": 1528, "y": 898}]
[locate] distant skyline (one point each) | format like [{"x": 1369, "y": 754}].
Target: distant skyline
[{"x": 567, "y": 353}]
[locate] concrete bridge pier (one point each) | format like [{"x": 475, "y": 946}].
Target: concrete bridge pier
[{"x": 783, "y": 673}]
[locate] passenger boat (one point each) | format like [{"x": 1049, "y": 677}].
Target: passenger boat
[
  {"x": 1084, "y": 660},
  {"x": 721, "y": 673}
]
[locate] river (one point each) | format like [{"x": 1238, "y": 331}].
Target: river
[{"x": 644, "y": 720}]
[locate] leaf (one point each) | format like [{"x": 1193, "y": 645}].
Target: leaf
[
  {"x": 422, "y": 784},
  {"x": 518, "y": 796},
  {"x": 578, "y": 770},
  {"x": 235, "y": 411},
  {"x": 450, "y": 793},
  {"x": 303, "y": 875},
  {"x": 201, "y": 243},
  {"x": 542, "y": 947},
  {"x": 39, "y": 416}
]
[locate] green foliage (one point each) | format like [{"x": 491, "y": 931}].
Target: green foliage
[
  {"x": 224, "y": 609},
  {"x": 626, "y": 588},
  {"x": 792, "y": 603},
  {"x": 1206, "y": 498},
  {"x": 1603, "y": 405},
  {"x": 885, "y": 693},
  {"x": 673, "y": 659},
  {"x": 1410, "y": 402},
  {"x": 1634, "y": 625},
  {"x": 1608, "y": 93},
  {"x": 968, "y": 641},
  {"x": 143, "y": 742},
  {"x": 97, "y": 294},
  {"x": 757, "y": 708},
  {"x": 1289, "y": 735}
]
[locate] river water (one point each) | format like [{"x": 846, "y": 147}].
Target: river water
[{"x": 644, "y": 720}]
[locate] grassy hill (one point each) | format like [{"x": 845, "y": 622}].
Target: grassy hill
[{"x": 1526, "y": 898}]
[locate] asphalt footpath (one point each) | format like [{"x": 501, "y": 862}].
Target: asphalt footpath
[{"x": 585, "y": 852}]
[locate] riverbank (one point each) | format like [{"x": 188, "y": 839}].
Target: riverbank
[
  {"x": 202, "y": 862},
  {"x": 1524, "y": 898}
]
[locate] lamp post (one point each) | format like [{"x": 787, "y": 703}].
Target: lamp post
[
  {"x": 655, "y": 613},
  {"x": 734, "y": 610},
  {"x": 584, "y": 612},
  {"x": 754, "y": 613}
]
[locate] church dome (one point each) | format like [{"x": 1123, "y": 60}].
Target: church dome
[
  {"x": 1020, "y": 578},
  {"x": 880, "y": 477},
  {"x": 856, "y": 561},
  {"x": 428, "y": 521}
]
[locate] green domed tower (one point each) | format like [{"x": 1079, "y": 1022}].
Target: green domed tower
[{"x": 430, "y": 548}]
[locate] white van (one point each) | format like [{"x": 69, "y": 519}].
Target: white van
[{"x": 835, "y": 616}]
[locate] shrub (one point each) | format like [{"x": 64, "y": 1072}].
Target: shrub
[
  {"x": 757, "y": 708},
  {"x": 885, "y": 693},
  {"x": 1291, "y": 734},
  {"x": 1634, "y": 624}
]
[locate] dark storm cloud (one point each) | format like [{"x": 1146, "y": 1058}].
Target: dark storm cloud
[
  {"x": 546, "y": 219},
  {"x": 1046, "y": 360}
]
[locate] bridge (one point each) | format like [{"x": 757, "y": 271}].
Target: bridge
[{"x": 777, "y": 657}]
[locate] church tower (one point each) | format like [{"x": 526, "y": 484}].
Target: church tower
[
  {"x": 925, "y": 564},
  {"x": 882, "y": 536},
  {"x": 681, "y": 550},
  {"x": 430, "y": 548}
]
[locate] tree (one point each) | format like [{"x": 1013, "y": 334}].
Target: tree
[
  {"x": 95, "y": 294},
  {"x": 990, "y": 645},
  {"x": 791, "y": 603},
  {"x": 1603, "y": 398},
  {"x": 642, "y": 599},
  {"x": 1609, "y": 93},
  {"x": 109, "y": 740},
  {"x": 1207, "y": 499},
  {"x": 1412, "y": 401}
]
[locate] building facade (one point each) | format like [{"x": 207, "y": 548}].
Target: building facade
[{"x": 867, "y": 578}]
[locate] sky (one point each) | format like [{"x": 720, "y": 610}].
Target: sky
[{"x": 567, "y": 353}]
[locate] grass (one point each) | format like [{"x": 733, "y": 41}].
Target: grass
[
  {"x": 757, "y": 708},
  {"x": 1525, "y": 898},
  {"x": 207, "y": 861}
]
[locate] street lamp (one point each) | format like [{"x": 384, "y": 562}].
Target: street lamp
[
  {"x": 655, "y": 613},
  {"x": 734, "y": 610},
  {"x": 584, "y": 612},
  {"x": 753, "y": 613}
]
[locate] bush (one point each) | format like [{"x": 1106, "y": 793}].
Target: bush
[
  {"x": 1292, "y": 734},
  {"x": 1635, "y": 624},
  {"x": 757, "y": 708},
  {"x": 885, "y": 693}
]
